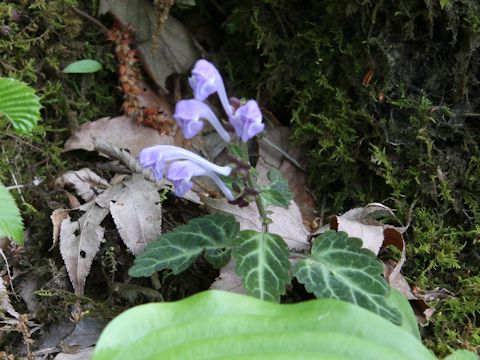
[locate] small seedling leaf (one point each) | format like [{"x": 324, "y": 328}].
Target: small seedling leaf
[
  {"x": 277, "y": 193},
  {"x": 83, "y": 67}
]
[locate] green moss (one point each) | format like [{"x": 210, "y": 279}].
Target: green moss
[{"x": 39, "y": 38}]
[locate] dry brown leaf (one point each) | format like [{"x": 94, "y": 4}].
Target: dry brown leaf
[
  {"x": 73, "y": 201},
  {"x": 228, "y": 280},
  {"x": 5, "y": 304},
  {"x": 371, "y": 235},
  {"x": 175, "y": 51},
  {"x": 103, "y": 200},
  {"x": 286, "y": 222},
  {"x": 270, "y": 158},
  {"x": 58, "y": 215},
  {"x": 85, "y": 182},
  {"x": 149, "y": 98},
  {"x": 120, "y": 131},
  {"x": 360, "y": 222},
  {"x": 80, "y": 354},
  {"x": 137, "y": 212},
  {"x": 80, "y": 241}
]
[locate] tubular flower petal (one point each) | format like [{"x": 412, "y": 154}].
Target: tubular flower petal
[
  {"x": 152, "y": 156},
  {"x": 180, "y": 174},
  {"x": 247, "y": 121},
  {"x": 188, "y": 114},
  {"x": 205, "y": 81},
  {"x": 182, "y": 166}
]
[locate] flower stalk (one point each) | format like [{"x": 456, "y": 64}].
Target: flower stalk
[{"x": 251, "y": 183}]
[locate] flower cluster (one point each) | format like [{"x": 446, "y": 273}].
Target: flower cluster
[
  {"x": 179, "y": 165},
  {"x": 205, "y": 81}
]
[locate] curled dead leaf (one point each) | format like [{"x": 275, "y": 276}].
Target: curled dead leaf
[
  {"x": 85, "y": 182},
  {"x": 58, "y": 215}
]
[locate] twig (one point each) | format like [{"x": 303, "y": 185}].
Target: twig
[
  {"x": 13, "y": 187},
  {"x": 283, "y": 152},
  {"x": 8, "y": 270},
  {"x": 90, "y": 18}
]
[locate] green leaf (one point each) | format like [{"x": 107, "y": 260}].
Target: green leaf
[
  {"x": 462, "y": 355},
  {"x": 19, "y": 104},
  {"x": 83, "y": 67},
  {"x": 178, "y": 249},
  {"x": 339, "y": 268},
  {"x": 11, "y": 224},
  {"x": 235, "y": 150},
  {"x": 277, "y": 193},
  {"x": 409, "y": 322},
  {"x": 262, "y": 264},
  {"x": 222, "y": 325}
]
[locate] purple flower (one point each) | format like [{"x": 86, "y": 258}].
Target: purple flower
[
  {"x": 205, "y": 81},
  {"x": 181, "y": 172},
  {"x": 247, "y": 120},
  {"x": 188, "y": 114},
  {"x": 182, "y": 166}
]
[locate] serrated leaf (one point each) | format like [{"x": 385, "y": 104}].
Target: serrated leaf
[
  {"x": 79, "y": 243},
  {"x": 271, "y": 196},
  {"x": 11, "y": 223},
  {"x": 137, "y": 213},
  {"x": 262, "y": 264},
  {"x": 221, "y": 325},
  {"x": 83, "y": 67},
  {"x": 178, "y": 249},
  {"x": 277, "y": 193},
  {"x": 339, "y": 268},
  {"x": 19, "y": 104}
]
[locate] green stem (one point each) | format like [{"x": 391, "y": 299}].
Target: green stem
[{"x": 258, "y": 200}]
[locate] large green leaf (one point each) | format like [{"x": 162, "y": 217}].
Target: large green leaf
[
  {"x": 11, "y": 224},
  {"x": 178, "y": 249},
  {"x": 19, "y": 104},
  {"x": 462, "y": 355},
  {"x": 262, "y": 264},
  {"x": 409, "y": 321},
  {"x": 220, "y": 325},
  {"x": 339, "y": 268}
]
